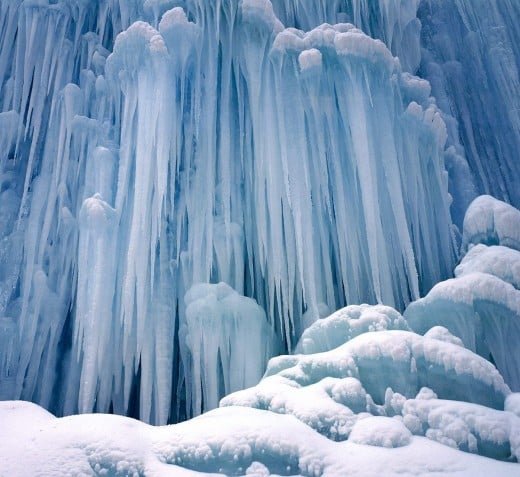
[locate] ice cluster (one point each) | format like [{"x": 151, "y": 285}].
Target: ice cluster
[
  {"x": 148, "y": 147},
  {"x": 481, "y": 305}
]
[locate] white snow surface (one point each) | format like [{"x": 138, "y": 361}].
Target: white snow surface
[
  {"x": 492, "y": 222},
  {"x": 227, "y": 441},
  {"x": 343, "y": 325}
]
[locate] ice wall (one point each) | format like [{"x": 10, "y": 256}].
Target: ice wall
[
  {"x": 149, "y": 146},
  {"x": 481, "y": 305},
  {"x": 471, "y": 56}
]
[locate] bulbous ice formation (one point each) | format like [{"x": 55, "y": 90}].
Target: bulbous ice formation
[
  {"x": 228, "y": 343},
  {"x": 481, "y": 305}
]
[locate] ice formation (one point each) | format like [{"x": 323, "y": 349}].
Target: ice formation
[
  {"x": 471, "y": 50},
  {"x": 153, "y": 146},
  {"x": 228, "y": 343}
]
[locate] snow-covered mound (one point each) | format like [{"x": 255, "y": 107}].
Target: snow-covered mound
[
  {"x": 481, "y": 306},
  {"x": 375, "y": 373},
  {"x": 490, "y": 221},
  {"x": 345, "y": 324}
]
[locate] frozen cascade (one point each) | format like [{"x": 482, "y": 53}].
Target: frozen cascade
[
  {"x": 471, "y": 56},
  {"x": 147, "y": 146},
  {"x": 178, "y": 154}
]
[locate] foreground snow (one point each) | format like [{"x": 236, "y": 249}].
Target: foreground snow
[{"x": 231, "y": 441}]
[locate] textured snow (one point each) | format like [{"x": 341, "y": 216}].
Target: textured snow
[
  {"x": 465, "y": 426},
  {"x": 502, "y": 262},
  {"x": 374, "y": 362},
  {"x": 380, "y": 431},
  {"x": 345, "y": 324}
]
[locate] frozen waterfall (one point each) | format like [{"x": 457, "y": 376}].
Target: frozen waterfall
[{"x": 279, "y": 158}]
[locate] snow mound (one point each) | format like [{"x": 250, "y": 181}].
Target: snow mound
[
  {"x": 229, "y": 441},
  {"x": 375, "y": 373},
  {"x": 497, "y": 260},
  {"x": 482, "y": 310},
  {"x": 443, "y": 334},
  {"x": 512, "y": 403},
  {"x": 343, "y": 325},
  {"x": 465, "y": 426},
  {"x": 381, "y": 432},
  {"x": 491, "y": 222},
  {"x": 481, "y": 306}
]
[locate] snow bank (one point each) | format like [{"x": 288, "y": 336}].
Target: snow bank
[{"x": 231, "y": 441}]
